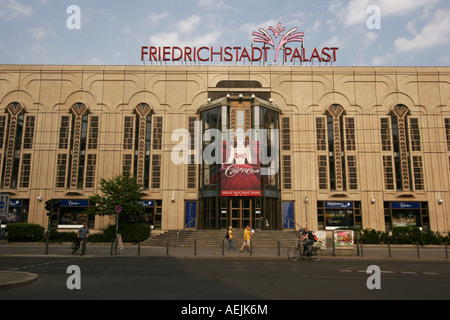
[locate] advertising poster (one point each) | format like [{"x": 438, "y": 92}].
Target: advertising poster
[
  {"x": 343, "y": 238},
  {"x": 241, "y": 170},
  {"x": 322, "y": 239}
]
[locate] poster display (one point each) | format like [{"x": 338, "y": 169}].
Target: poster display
[
  {"x": 241, "y": 170},
  {"x": 322, "y": 240},
  {"x": 343, "y": 238}
]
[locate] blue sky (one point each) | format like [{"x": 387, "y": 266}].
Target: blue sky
[{"x": 411, "y": 33}]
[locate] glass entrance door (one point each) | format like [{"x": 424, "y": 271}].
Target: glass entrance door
[{"x": 241, "y": 210}]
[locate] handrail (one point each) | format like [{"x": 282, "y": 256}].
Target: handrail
[
  {"x": 178, "y": 232},
  {"x": 295, "y": 223}
]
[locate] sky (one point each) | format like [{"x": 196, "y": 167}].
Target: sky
[{"x": 106, "y": 32}]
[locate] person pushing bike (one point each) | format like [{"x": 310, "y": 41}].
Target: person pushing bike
[{"x": 83, "y": 234}]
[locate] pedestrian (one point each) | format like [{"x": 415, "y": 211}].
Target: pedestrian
[
  {"x": 247, "y": 236},
  {"x": 230, "y": 239},
  {"x": 83, "y": 233}
]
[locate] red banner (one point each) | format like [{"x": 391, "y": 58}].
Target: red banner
[{"x": 241, "y": 170}]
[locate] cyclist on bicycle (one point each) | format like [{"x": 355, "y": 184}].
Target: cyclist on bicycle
[
  {"x": 310, "y": 239},
  {"x": 83, "y": 234}
]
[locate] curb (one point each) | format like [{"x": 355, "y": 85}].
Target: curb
[{"x": 12, "y": 279}]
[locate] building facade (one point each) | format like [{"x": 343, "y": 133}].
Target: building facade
[{"x": 319, "y": 146}]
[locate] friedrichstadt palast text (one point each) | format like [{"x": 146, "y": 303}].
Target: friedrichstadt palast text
[{"x": 238, "y": 54}]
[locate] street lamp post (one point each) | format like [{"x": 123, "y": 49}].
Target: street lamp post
[{"x": 306, "y": 211}]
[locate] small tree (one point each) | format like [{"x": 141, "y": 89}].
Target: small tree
[{"x": 122, "y": 190}]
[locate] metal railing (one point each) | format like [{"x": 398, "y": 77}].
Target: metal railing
[{"x": 178, "y": 232}]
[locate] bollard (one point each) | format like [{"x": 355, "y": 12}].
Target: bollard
[
  {"x": 357, "y": 243},
  {"x": 139, "y": 247},
  {"x": 389, "y": 249},
  {"x": 418, "y": 251},
  {"x": 195, "y": 247},
  {"x": 446, "y": 251},
  {"x": 334, "y": 251},
  {"x": 112, "y": 246},
  {"x": 223, "y": 247},
  {"x": 167, "y": 249},
  {"x": 362, "y": 250},
  {"x": 279, "y": 248}
]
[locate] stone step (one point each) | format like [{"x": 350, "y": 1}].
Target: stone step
[{"x": 205, "y": 238}]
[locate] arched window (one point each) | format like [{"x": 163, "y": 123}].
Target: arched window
[
  {"x": 401, "y": 149},
  {"x": 78, "y": 142},
  {"x": 17, "y": 141},
  {"x": 336, "y": 150}
]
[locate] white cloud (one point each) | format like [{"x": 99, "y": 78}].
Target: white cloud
[
  {"x": 387, "y": 59},
  {"x": 11, "y": 9},
  {"x": 188, "y": 25},
  {"x": 38, "y": 33},
  {"x": 156, "y": 18},
  {"x": 187, "y": 33},
  {"x": 355, "y": 12},
  {"x": 172, "y": 39},
  {"x": 436, "y": 32}
]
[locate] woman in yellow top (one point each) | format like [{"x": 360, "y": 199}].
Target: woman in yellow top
[
  {"x": 247, "y": 236},
  {"x": 230, "y": 239}
]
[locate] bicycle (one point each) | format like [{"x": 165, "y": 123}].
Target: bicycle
[
  {"x": 296, "y": 252},
  {"x": 81, "y": 245}
]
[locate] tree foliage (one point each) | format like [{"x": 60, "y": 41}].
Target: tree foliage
[{"x": 122, "y": 190}]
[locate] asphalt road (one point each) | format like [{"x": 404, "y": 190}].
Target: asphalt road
[{"x": 233, "y": 279}]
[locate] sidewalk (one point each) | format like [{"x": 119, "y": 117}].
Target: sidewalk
[{"x": 9, "y": 278}]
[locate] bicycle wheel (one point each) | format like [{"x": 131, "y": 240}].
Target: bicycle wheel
[
  {"x": 74, "y": 248},
  {"x": 294, "y": 253},
  {"x": 316, "y": 254}
]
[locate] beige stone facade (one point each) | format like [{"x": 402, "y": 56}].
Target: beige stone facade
[{"x": 377, "y": 138}]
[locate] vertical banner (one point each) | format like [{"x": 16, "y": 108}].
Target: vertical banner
[
  {"x": 241, "y": 170},
  {"x": 288, "y": 215},
  {"x": 190, "y": 216}
]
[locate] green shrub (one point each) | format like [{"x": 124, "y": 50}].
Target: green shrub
[
  {"x": 25, "y": 232},
  {"x": 65, "y": 236},
  {"x": 403, "y": 235},
  {"x": 406, "y": 235},
  {"x": 129, "y": 232},
  {"x": 371, "y": 236}
]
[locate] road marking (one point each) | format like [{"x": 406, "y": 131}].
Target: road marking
[{"x": 390, "y": 272}]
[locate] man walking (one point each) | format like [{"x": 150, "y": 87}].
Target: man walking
[
  {"x": 83, "y": 234},
  {"x": 247, "y": 236},
  {"x": 230, "y": 239}
]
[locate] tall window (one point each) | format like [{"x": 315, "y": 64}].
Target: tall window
[
  {"x": 142, "y": 144},
  {"x": 19, "y": 137},
  {"x": 447, "y": 132},
  {"x": 78, "y": 140},
  {"x": 286, "y": 146},
  {"x": 401, "y": 151},
  {"x": 192, "y": 167},
  {"x": 336, "y": 150}
]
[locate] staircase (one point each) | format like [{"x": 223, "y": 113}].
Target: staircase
[{"x": 213, "y": 238}]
